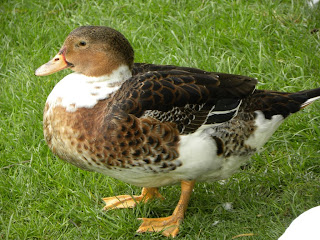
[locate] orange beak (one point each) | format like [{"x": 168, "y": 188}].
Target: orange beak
[{"x": 56, "y": 64}]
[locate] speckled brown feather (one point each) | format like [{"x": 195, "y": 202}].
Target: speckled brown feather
[
  {"x": 243, "y": 84},
  {"x": 116, "y": 140},
  {"x": 231, "y": 136},
  {"x": 182, "y": 97}
]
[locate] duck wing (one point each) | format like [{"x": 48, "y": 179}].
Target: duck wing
[{"x": 188, "y": 97}]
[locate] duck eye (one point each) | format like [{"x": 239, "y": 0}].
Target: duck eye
[{"x": 82, "y": 43}]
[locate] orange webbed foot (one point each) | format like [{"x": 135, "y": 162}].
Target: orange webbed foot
[
  {"x": 168, "y": 226},
  {"x": 128, "y": 201}
]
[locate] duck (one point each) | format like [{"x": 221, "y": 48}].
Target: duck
[
  {"x": 155, "y": 125},
  {"x": 305, "y": 226}
]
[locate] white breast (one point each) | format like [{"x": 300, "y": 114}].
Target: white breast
[{"x": 77, "y": 90}]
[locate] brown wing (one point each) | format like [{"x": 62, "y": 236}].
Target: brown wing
[
  {"x": 243, "y": 84},
  {"x": 184, "y": 96}
]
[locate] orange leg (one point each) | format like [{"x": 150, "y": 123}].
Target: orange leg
[
  {"x": 127, "y": 201},
  {"x": 170, "y": 225}
]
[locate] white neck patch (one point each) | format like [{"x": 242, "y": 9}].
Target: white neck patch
[{"x": 77, "y": 90}]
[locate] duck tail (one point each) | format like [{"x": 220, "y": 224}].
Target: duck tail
[
  {"x": 274, "y": 103},
  {"x": 306, "y": 97}
]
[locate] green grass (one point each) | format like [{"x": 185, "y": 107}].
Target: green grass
[{"x": 41, "y": 197}]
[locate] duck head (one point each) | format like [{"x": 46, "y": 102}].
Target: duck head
[{"x": 92, "y": 51}]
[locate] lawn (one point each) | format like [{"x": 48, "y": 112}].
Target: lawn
[{"x": 42, "y": 197}]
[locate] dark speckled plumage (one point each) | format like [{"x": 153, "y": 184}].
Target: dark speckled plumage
[{"x": 187, "y": 97}]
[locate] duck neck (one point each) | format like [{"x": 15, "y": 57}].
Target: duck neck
[
  {"x": 116, "y": 77},
  {"x": 80, "y": 91}
]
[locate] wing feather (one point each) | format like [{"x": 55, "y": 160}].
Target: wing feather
[{"x": 187, "y": 97}]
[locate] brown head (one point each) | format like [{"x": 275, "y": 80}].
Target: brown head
[{"x": 91, "y": 50}]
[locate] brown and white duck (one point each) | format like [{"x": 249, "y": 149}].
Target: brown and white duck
[{"x": 151, "y": 125}]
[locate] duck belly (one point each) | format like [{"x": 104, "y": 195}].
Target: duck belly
[{"x": 199, "y": 159}]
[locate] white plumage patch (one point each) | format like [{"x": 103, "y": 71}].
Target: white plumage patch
[
  {"x": 77, "y": 90},
  {"x": 264, "y": 129},
  {"x": 234, "y": 110},
  {"x": 198, "y": 150},
  {"x": 309, "y": 101}
]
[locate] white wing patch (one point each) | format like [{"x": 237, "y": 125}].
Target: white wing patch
[{"x": 235, "y": 110}]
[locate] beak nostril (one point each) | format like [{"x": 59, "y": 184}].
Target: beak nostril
[{"x": 56, "y": 59}]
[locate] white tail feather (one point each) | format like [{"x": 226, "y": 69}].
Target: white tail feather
[{"x": 309, "y": 101}]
